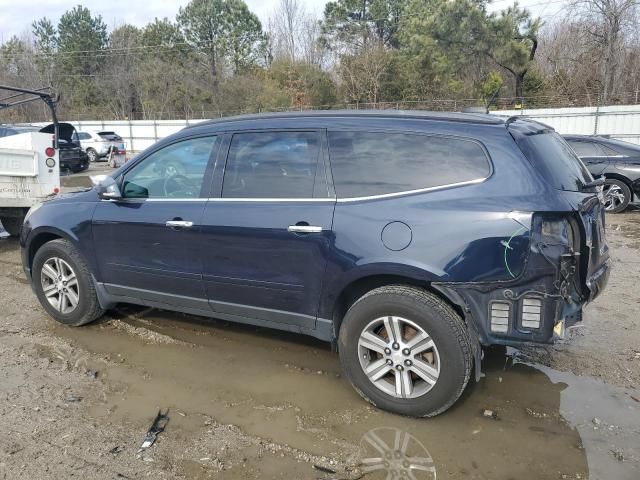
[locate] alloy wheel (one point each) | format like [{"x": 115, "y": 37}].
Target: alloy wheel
[
  {"x": 399, "y": 357},
  {"x": 60, "y": 285},
  {"x": 613, "y": 196}
]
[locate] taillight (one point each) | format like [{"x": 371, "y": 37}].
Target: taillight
[
  {"x": 558, "y": 231},
  {"x": 49, "y": 151}
]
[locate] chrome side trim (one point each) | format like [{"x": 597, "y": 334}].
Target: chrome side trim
[
  {"x": 272, "y": 200},
  {"x": 339, "y": 200},
  {"x": 411, "y": 192},
  {"x": 173, "y": 199}
]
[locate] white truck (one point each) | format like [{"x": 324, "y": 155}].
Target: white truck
[{"x": 29, "y": 162}]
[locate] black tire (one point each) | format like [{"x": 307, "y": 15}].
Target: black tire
[
  {"x": 444, "y": 326},
  {"x": 92, "y": 154},
  {"x": 13, "y": 225},
  {"x": 88, "y": 308},
  {"x": 624, "y": 190}
]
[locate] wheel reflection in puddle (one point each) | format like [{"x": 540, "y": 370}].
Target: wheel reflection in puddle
[{"x": 392, "y": 454}]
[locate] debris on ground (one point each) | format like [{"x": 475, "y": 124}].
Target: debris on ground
[
  {"x": 535, "y": 413},
  {"x": 72, "y": 397},
  {"x": 633, "y": 397},
  {"x": 596, "y": 421},
  {"x": 116, "y": 450},
  {"x": 92, "y": 373},
  {"x": 324, "y": 469},
  {"x": 617, "y": 454},
  {"x": 490, "y": 414},
  {"x": 157, "y": 427}
]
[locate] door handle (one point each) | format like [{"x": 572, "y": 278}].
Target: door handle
[
  {"x": 304, "y": 229},
  {"x": 179, "y": 224}
]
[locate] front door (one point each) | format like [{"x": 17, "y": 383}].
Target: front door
[
  {"x": 148, "y": 243},
  {"x": 268, "y": 236}
]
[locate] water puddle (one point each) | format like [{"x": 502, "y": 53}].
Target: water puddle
[{"x": 255, "y": 403}]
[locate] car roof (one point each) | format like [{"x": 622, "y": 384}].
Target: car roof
[
  {"x": 477, "y": 118},
  {"x": 27, "y": 128}
]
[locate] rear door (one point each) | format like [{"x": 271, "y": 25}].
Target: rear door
[
  {"x": 148, "y": 243},
  {"x": 268, "y": 235}
]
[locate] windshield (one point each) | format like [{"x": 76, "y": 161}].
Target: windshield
[{"x": 556, "y": 160}]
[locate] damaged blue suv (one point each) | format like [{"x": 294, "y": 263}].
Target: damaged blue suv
[{"x": 410, "y": 240}]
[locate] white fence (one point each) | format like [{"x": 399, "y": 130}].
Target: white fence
[{"x": 621, "y": 121}]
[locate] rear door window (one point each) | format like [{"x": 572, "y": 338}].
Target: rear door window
[
  {"x": 586, "y": 149},
  {"x": 377, "y": 163},
  {"x": 271, "y": 165}
]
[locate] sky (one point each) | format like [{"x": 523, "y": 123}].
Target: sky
[{"x": 16, "y": 16}]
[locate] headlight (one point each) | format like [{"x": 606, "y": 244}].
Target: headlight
[{"x": 31, "y": 210}]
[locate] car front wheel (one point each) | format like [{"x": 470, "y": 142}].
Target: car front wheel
[
  {"x": 405, "y": 350},
  {"x": 63, "y": 284}
]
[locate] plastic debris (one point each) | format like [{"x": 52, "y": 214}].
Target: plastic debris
[
  {"x": 324, "y": 469},
  {"x": 158, "y": 425},
  {"x": 92, "y": 373},
  {"x": 72, "y": 397},
  {"x": 116, "y": 450},
  {"x": 490, "y": 414}
]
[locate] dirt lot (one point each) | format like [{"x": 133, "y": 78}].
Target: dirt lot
[{"x": 252, "y": 403}]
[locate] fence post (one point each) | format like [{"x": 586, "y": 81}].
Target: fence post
[
  {"x": 596, "y": 119},
  {"x": 155, "y": 130},
  {"x": 131, "y": 135}
]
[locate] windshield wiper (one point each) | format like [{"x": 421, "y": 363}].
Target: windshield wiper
[{"x": 598, "y": 182}]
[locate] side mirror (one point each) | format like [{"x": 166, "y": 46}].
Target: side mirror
[{"x": 108, "y": 189}]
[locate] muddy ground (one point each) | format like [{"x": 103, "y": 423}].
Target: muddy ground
[{"x": 252, "y": 403}]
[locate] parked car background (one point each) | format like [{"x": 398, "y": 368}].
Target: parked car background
[
  {"x": 618, "y": 161},
  {"x": 72, "y": 157},
  {"x": 98, "y": 144}
]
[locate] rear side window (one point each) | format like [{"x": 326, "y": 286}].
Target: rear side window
[
  {"x": 586, "y": 149},
  {"x": 271, "y": 165},
  {"x": 555, "y": 159},
  {"x": 110, "y": 136},
  {"x": 375, "y": 163}
]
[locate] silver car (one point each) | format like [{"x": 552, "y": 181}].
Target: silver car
[{"x": 99, "y": 144}]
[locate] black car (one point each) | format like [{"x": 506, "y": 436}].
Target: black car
[
  {"x": 72, "y": 157},
  {"x": 617, "y": 161},
  {"x": 407, "y": 240}
]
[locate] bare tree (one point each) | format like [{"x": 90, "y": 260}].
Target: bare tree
[
  {"x": 294, "y": 33},
  {"x": 608, "y": 22}
]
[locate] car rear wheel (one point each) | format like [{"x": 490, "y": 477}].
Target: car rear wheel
[
  {"x": 92, "y": 154},
  {"x": 63, "y": 284},
  {"x": 617, "y": 195},
  {"x": 405, "y": 350},
  {"x": 12, "y": 225}
]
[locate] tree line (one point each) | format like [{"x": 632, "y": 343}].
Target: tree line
[{"x": 216, "y": 58}]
